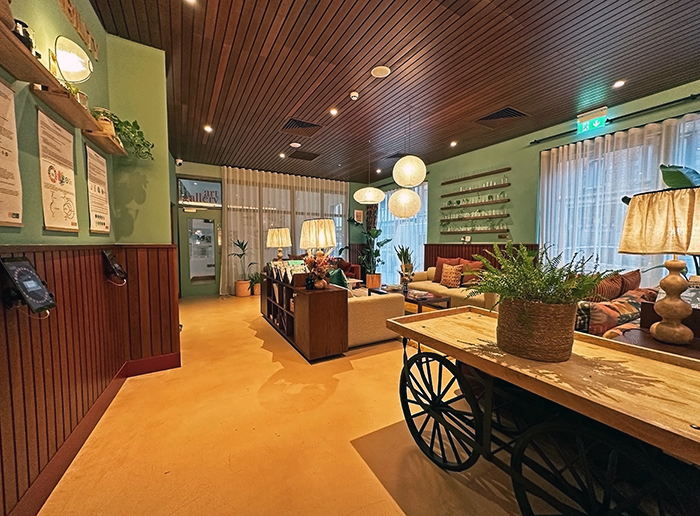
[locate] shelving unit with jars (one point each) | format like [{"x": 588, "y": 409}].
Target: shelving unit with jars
[{"x": 479, "y": 207}]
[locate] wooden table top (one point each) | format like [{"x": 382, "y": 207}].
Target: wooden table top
[{"x": 649, "y": 394}]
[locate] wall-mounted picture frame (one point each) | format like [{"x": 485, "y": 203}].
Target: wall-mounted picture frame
[{"x": 359, "y": 216}]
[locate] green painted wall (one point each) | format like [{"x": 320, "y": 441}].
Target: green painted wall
[
  {"x": 49, "y": 21},
  {"x": 524, "y": 159},
  {"x": 142, "y": 187}
]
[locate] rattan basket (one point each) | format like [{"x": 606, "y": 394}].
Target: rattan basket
[{"x": 538, "y": 331}]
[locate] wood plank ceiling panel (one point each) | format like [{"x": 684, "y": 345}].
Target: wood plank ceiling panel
[{"x": 247, "y": 66}]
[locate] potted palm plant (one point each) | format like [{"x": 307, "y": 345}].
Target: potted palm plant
[
  {"x": 537, "y": 299},
  {"x": 370, "y": 256},
  {"x": 243, "y": 283},
  {"x": 254, "y": 282},
  {"x": 406, "y": 271}
]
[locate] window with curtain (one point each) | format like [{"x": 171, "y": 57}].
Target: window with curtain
[
  {"x": 255, "y": 201},
  {"x": 411, "y": 233},
  {"x": 582, "y": 184}
]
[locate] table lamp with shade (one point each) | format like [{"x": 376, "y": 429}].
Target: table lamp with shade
[
  {"x": 279, "y": 238},
  {"x": 666, "y": 222},
  {"x": 317, "y": 234}
]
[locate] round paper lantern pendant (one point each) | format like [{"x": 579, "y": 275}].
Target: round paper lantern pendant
[
  {"x": 404, "y": 203},
  {"x": 369, "y": 195},
  {"x": 409, "y": 171}
]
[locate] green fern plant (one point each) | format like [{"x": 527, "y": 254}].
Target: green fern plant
[
  {"x": 129, "y": 133},
  {"x": 534, "y": 276}
]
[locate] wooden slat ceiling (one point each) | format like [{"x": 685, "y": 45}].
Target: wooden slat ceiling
[{"x": 246, "y": 67}]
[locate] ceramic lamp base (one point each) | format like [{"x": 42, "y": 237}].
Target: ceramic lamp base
[{"x": 672, "y": 308}]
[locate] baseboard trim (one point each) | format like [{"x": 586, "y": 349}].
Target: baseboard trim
[{"x": 40, "y": 490}]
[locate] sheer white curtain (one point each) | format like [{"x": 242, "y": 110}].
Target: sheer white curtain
[
  {"x": 255, "y": 201},
  {"x": 581, "y": 185},
  {"x": 412, "y": 233}
]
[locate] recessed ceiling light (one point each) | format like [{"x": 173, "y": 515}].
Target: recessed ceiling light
[
  {"x": 453, "y": 144},
  {"x": 208, "y": 128},
  {"x": 282, "y": 155},
  {"x": 619, "y": 84},
  {"x": 339, "y": 165},
  {"x": 334, "y": 112},
  {"x": 381, "y": 71},
  {"x": 379, "y": 171},
  {"x": 295, "y": 145}
]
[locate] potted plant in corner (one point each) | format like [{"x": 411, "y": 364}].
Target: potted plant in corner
[
  {"x": 538, "y": 297},
  {"x": 255, "y": 280},
  {"x": 243, "y": 284},
  {"x": 370, "y": 256},
  {"x": 406, "y": 271}
]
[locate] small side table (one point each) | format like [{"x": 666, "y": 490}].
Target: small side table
[{"x": 642, "y": 338}]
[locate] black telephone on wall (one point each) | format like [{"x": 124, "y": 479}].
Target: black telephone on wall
[{"x": 113, "y": 267}]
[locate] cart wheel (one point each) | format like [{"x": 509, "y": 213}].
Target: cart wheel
[
  {"x": 572, "y": 470},
  {"x": 427, "y": 388}
]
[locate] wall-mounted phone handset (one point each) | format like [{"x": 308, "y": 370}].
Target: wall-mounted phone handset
[
  {"x": 22, "y": 285},
  {"x": 113, "y": 269}
]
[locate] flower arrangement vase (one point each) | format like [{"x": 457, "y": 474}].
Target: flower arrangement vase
[{"x": 537, "y": 331}]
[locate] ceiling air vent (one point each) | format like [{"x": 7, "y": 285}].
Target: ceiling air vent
[
  {"x": 306, "y": 156},
  {"x": 501, "y": 117},
  {"x": 300, "y": 128}
]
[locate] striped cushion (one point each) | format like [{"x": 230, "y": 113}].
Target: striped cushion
[
  {"x": 631, "y": 280},
  {"x": 608, "y": 289},
  {"x": 451, "y": 276}
]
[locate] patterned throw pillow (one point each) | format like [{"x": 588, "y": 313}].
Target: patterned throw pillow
[
  {"x": 439, "y": 265},
  {"x": 598, "y": 318},
  {"x": 451, "y": 276},
  {"x": 631, "y": 280},
  {"x": 609, "y": 288}
]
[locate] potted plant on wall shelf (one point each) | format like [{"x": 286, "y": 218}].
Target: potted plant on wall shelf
[
  {"x": 129, "y": 133},
  {"x": 537, "y": 299},
  {"x": 243, "y": 285}
]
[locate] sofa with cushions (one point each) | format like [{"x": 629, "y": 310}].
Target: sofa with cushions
[
  {"x": 367, "y": 317},
  {"x": 448, "y": 278}
]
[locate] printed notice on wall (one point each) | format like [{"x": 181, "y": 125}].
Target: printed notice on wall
[
  {"x": 98, "y": 195},
  {"x": 10, "y": 182},
  {"x": 57, "y": 176}
]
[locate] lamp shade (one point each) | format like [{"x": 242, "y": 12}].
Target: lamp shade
[
  {"x": 369, "y": 195},
  {"x": 663, "y": 222},
  {"x": 317, "y": 234},
  {"x": 409, "y": 171},
  {"x": 404, "y": 203},
  {"x": 278, "y": 237}
]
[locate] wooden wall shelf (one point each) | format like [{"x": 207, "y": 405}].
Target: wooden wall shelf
[
  {"x": 66, "y": 106},
  {"x": 478, "y": 217},
  {"x": 476, "y": 176},
  {"x": 475, "y": 204},
  {"x": 20, "y": 63},
  {"x": 474, "y": 190},
  {"x": 474, "y": 232},
  {"x": 106, "y": 142}
]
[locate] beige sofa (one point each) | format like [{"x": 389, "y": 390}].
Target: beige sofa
[
  {"x": 424, "y": 281},
  {"x": 367, "y": 317}
]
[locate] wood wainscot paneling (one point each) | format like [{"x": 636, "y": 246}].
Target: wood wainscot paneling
[
  {"x": 433, "y": 251},
  {"x": 59, "y": 374}
]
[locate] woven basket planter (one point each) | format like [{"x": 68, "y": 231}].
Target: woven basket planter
[{"x": 538, "y": 331}]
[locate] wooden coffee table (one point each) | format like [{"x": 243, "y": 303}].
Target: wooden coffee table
[{"x": 431, "y": 300}]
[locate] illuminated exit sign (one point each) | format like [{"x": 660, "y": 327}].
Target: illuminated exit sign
[{"x": 591, "y": 120}]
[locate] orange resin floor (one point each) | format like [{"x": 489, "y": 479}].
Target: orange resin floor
[{"x": 247, "y": 427}]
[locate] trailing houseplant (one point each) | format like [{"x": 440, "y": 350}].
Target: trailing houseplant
[
  {"x": 370, "y": 256},
  {"x": 129, "y": 133},
  {"x": 243, "y": 283},
  {"x": 537, "y": 299}
]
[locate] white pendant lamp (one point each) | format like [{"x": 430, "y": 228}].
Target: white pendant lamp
[
  {"x": 409, "y": 171},
  {"x": 404, "y": 203},
  {"x": 369, "y": 194}
]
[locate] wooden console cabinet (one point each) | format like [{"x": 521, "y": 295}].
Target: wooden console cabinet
[{"x": 315, "y": 322}]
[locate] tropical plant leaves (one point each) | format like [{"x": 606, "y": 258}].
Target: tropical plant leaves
[{"x": 676, "y": 176}]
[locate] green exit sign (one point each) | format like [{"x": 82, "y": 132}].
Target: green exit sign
[{"x": 592, "y": 120}]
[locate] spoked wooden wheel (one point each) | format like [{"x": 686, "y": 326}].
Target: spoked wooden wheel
[
  {"x": 436, "y": 401},
  {"x": 571, "y": 470}
]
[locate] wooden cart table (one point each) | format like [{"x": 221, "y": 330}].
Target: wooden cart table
[{"x": 615, "y": 430}]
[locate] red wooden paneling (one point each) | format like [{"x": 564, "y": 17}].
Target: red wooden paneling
[
  {"x": 52, "y": 371},
  {"x": 433, "y": 251}
]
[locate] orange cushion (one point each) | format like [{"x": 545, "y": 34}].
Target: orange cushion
[
  {"x": 438, "y": 267},
  {"x": 631, "y": 280},
  {"x": 470, "y": 279},
  {"x": 451, "y": 276},
  {"x": 608, "y": 289}
]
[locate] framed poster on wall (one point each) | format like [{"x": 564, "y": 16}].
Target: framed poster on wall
[{"x": 10, "y": 182}]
